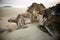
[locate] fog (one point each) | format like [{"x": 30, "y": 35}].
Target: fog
[{"x": 26, "y": 3}]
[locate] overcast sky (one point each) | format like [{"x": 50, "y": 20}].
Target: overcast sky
[{"x": 26, "y": 3}]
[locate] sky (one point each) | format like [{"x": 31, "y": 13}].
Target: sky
[{"x": 26, "y": 3}]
